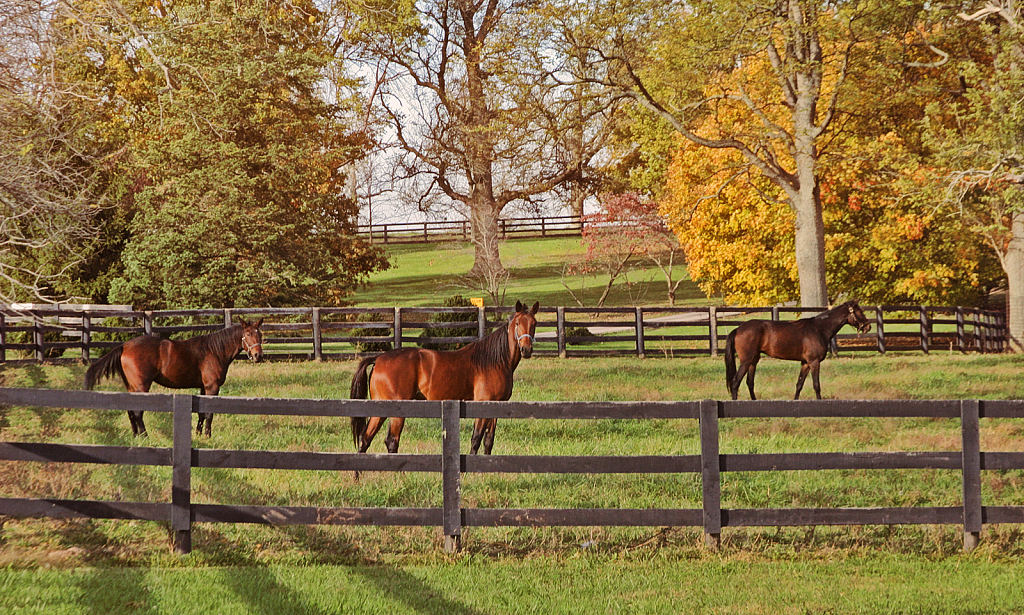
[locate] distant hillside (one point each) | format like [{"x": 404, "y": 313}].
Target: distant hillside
[{"x": 427, "y": 274}]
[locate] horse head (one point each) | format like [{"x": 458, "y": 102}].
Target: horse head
[
  {"x": 855, "y": 318},
  {"x": 523, "y": 326},
  {"x": 252, "y": 340}
]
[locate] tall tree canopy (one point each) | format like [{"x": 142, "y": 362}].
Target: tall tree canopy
[
  {"x": 236, "y": 154},
  {"x": 54, "y": 172},
  {"x": 978, "y": 139}
]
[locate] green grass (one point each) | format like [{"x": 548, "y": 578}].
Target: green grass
[
  {"x": 426, "y": 274},
  {"x": 54, "y": 566}
]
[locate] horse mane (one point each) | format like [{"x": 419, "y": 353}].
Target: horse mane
[
  {"x": 220, "y": 343},
  {"x": 491, "y": 351},
  {"x": 829, "y": 312}
]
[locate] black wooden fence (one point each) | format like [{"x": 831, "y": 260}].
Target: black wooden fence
[
  {"x": 320, "y": 332},
  {"x": 460, "y": 230},
  {"x": 452, "y": 517}
]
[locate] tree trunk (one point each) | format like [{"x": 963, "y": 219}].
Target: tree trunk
[
  {"x": 1012, "y": 260},
  {"x": 486, "y": 241},
  {"x": 810, "y": 248}
]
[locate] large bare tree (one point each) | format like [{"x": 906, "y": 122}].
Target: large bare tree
[{"x": 479, "y": 123}]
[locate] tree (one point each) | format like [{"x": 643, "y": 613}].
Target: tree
[
  {"x": 977, "y": 138},
  {"x": 238, "y": 162},
  {"x": 53, "y": 177},
  {"x": 887, "y": 241},
  {"x": 773, "y": 73},
  {"x": 476, "y": 120}
]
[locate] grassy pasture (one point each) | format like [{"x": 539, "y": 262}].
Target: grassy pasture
[
  {"x": 426, "y": 274},
  {"x": 49, "y": 566},
  {"x": 91, "y": 567}
]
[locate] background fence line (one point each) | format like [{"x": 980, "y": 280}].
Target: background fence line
[
  {"x": 456, "y": 230},
  {"x": 182, "y": 513},
  {"x": 323, "y": 332}
]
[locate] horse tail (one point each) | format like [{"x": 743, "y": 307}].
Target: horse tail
[
  {"x": 360, "y": 390},
  {"x": 105, "y": 367},
  {"x": 730, "y": 359}
]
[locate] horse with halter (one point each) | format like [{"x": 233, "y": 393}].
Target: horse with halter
[
  {"x": 200, "y": 362},
  {"x": 806, "y": 340},
  {"x": 480, "y": 371}
]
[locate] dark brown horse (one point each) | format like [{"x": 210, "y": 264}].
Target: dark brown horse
[
  {"x": 481, "y": 371},
  {"x": 200, "y": 363},
  {"x": 805, "y": 340}
]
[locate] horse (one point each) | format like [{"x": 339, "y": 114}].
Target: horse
[
  {"x": 806, "y": 340},
  {"x": 480, "y": 371},
  {"x": 200, "y": 362}
]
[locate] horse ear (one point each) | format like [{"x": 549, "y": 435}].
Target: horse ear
[
  {"x": 536, "y": 306},
  {"x": 519, "y": 306},
  {"x": 258, "y": 323},
  {"x": 242, "y": 322}
]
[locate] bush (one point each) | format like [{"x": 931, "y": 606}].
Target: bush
[
  {"x": 382, "y": 346},
  {"x": 454, "y": 301}
]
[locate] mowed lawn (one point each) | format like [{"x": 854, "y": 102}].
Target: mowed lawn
[
  {"x": 426, "y": 274},
  {"x": 54, "y": 566}
]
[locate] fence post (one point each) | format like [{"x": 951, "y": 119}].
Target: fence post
[
  {"x": 38, "y": 339},
  {"x": 3, "y": 338},
  {"x": 960, "y": 329},
  {"x": 775, "y": 312},
  {"x": 711, "y": 477},
  {"x": 181, "y": 474},
  {"x": 481, "y": 322},
  {"x": 1003, "y": 333},
  {"x": 640, "y": 350},
  {"x": 970, "y": 411},
  {"x": 147, "y": 322},
  {"x": 318, "y": 347},
  {"x": 924, "y": 329},
  {"x": 713, "y": 329},
  {"x": 451, "y": 468},
  {"x": 398, "y": 328},
  {"x": 560, "y": 326},
  {"x": 880, "y": 328},
  {"x": 227, "y": 318},
  {"x": 86, "y": 336}
]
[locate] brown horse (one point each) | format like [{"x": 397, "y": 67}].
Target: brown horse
[
  {"x": 480, "y": 371},
  {"x": 805, "y": 340},
  {"x": 200, "y": 362}
]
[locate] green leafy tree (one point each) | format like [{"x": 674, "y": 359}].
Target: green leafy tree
[
  {"x": 978, "y": 141},
  {"x": 240, "y": 165}
]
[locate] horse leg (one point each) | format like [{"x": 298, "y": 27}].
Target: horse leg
[
  {"x": 479, "y": 427},
  {"x": 750, "y": 380},
  {"x": 135, "y": 416},
  {"x": 815, "y": 367},
  {"x": 734, "y": 386},
  {"x": 138, "y": 426},
  {"x": 373, "y": 425},
  {"x": 804, "y": 368},
  {"x": 394, "y": 434},
  {"x": 207, "y": 417},
  {"x": 489, "y": 437}
]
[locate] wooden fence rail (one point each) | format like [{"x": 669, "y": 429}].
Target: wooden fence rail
[
  {"x": 460, "y": 230},
  {"x": 319, "y": 333},
  {"x": 452, "y": 517}
]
